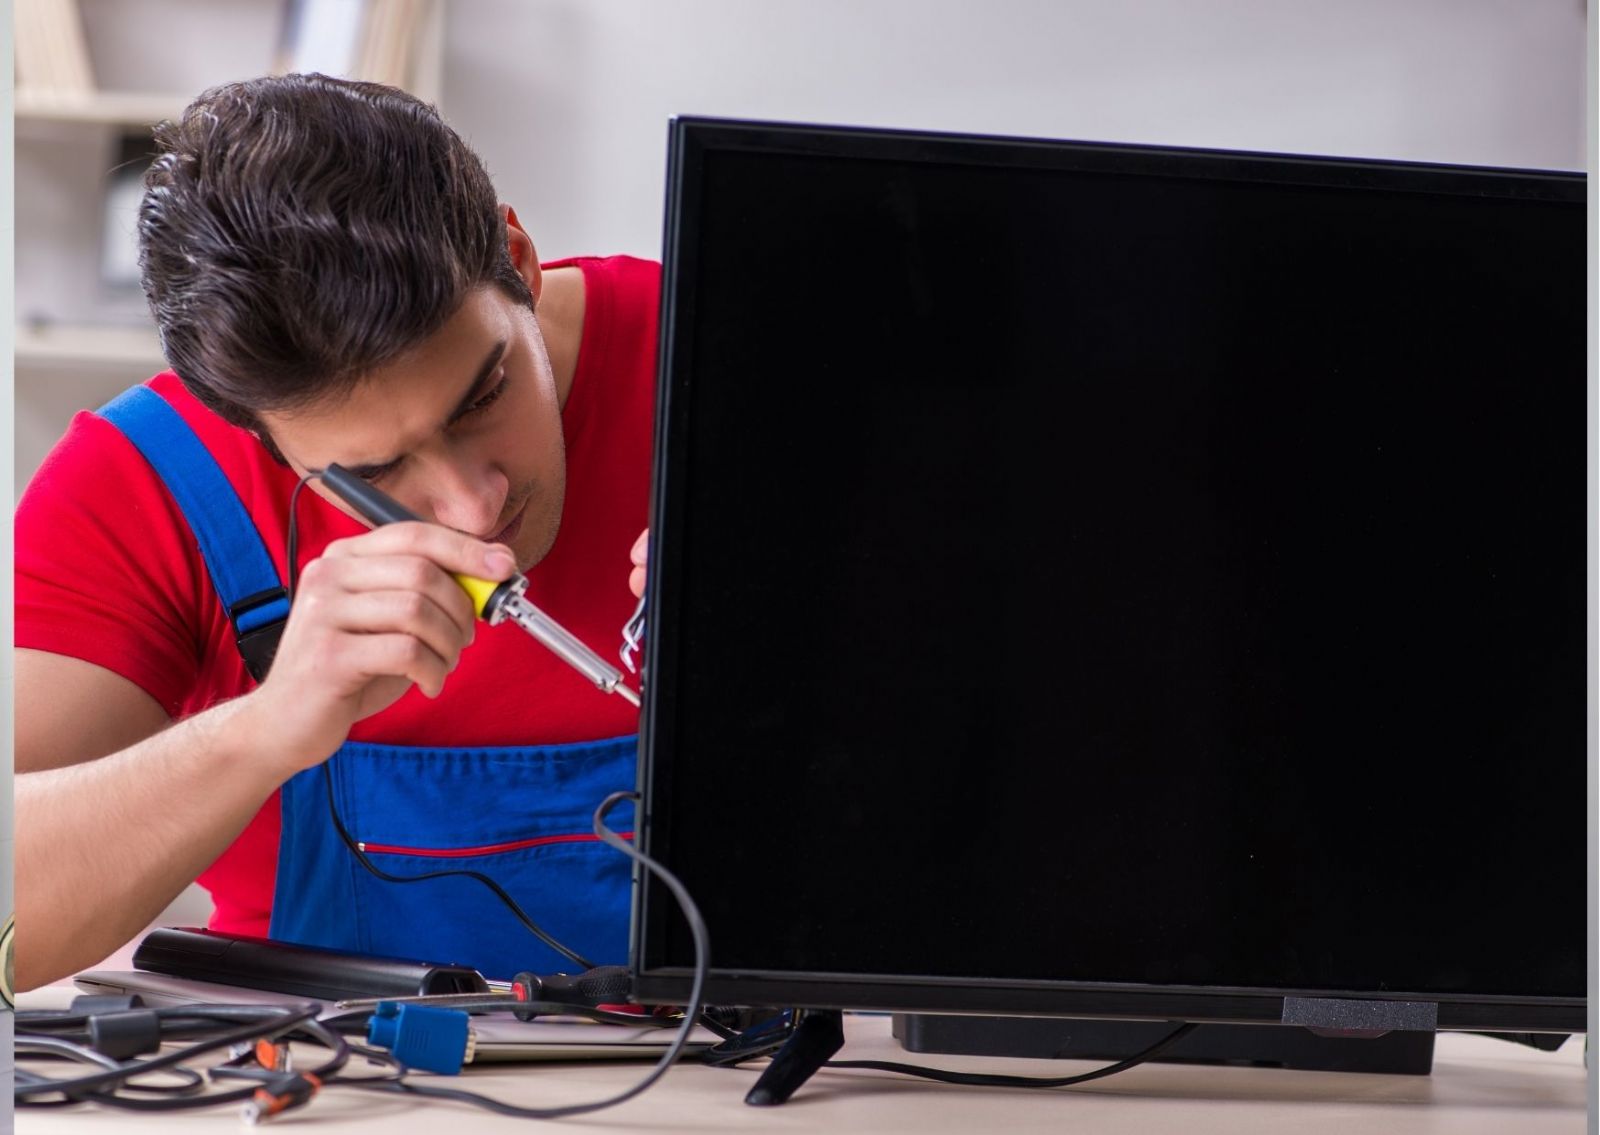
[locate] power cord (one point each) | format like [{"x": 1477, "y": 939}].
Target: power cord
[
  {"x": 984, "y": 1079},
  {"x": 292, "y": 551},
  {"x": 692, "y": 1011},
  {"x": 765, "y": 1039},
  {"x": 37, "y": 1035},
  {"x": 500, "y": 892},
  {"x": 273, "y": 1087}
]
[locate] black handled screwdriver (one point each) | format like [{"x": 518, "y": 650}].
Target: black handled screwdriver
[
  {"x": 603, "y": 985},
  {"x": 493, "y": 602}
]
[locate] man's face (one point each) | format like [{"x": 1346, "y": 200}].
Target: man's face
[{"x": 464, "y": 430}]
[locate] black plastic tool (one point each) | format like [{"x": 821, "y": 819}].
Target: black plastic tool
[{"x": 285, "y": 967}]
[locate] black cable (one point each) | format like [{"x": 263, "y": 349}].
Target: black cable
[
  {"x": 375, "y": 1056},
  {"x": 702, "y": 962},
  {"x": 984, "y": 1079},
  {"x": 716, "y": 1027},
  {"x": 186, "y": 1103},
  {"x": 500, "y": 892},
  {"x": 171, "y": 1017},
  {"x": 338, "y": 1048},
  {"x": 55, "y": 1046},
  {"x": 759, "y": 1045},
  {"x": 294, "y": 500},
  {"x": 280, "y": 1021},
  {"x": 269, "y": 1020},
  {"x": 25, "y": 1076},
  {"x": 189, "y": 1082},
  {"x": 761, "y": 1039},
  {"x": 104, "y": 1088}
]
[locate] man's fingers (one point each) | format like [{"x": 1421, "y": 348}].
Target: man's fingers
[
  {"x": 327, "y": 581},
  {"x": 385, "y": 604},
  {"x": 451, "y": 550},
  {"x": 639, "y": 554},
  {"x": 395, "y": 655},
  {"x": 405, "y": 612}
]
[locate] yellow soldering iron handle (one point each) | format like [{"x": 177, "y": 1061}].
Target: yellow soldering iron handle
[
  {"x": 480, "y": 591},
  {"x": 487, "y": 594}
]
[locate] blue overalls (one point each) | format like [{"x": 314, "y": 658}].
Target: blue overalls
[{"x": 522, "y": 816}]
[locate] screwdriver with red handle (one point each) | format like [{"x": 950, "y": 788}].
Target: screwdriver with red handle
[{"x": 601, "y": 986}]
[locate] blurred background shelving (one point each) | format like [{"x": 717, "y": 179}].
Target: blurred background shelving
[{"x": 93, "y": 78}]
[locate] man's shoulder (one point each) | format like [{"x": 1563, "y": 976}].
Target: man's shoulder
[
  {"x": 618, "y": 265},
  {"x": 621, "y": 277},
  {"x": 108, "y": 569},
  {"x": 621, "y": 305},
  {"x": 616, "y": 365},
  {"x": 634, "y": 269},
  {"x": 624, "y": 293}
]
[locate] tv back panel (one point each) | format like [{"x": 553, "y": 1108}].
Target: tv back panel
[{"x": 1117, "y": 580}]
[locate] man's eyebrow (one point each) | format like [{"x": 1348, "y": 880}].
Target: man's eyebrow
[{"x": 474, "y": 391}]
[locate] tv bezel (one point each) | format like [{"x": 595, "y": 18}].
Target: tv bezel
[{"x": 690, "y": 140}]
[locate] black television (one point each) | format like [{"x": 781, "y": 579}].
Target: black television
[{"x": 1117, "y": 581}]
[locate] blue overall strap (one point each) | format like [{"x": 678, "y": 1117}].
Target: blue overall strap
[{"x": 236, "y": 558}]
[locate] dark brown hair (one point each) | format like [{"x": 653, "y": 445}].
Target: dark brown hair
[{"x": 298, "y": 231}]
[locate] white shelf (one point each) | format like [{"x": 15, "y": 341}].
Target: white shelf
[
  {"x": 89, "y": 350},
  {"x": 124, "y": 108}
]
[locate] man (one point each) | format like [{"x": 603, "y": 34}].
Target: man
[{"x": 334, "y": 281}]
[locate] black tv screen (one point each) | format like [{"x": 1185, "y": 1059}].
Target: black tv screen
[{"x": 1117, "y": 581}]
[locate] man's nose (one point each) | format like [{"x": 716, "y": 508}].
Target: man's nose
[{"x": 466, "y": 499}]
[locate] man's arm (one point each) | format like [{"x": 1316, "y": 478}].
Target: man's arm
[
  {"x": 102, "y": 845},
  {"x": 117, "y": 814}
]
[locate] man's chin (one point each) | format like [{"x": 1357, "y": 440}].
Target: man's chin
[{"x": 534, "y": 541}]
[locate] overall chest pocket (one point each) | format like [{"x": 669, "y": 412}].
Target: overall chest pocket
[{"x": 521, "y": 816}]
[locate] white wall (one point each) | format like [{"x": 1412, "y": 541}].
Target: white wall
[{"x": 568, "y": 100}]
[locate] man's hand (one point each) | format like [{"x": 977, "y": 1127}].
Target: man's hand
[
  {"x": 640, "y": 556},
  {"x": 375, "y": 614}
]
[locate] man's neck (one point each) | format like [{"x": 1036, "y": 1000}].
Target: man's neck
[{"x": 560, "y": 312}]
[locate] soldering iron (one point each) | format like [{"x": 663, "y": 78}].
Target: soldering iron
[{"x": 492, "y": 602}]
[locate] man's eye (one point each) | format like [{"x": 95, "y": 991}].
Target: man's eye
[
  {"x": 375, "y": 473},
  {"x": 487, "y": 400}
]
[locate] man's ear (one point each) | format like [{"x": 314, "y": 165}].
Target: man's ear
[{"x": 524, "y": 257}]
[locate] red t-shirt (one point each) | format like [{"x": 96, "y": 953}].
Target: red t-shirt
[{"x": 108, "y": 571}]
